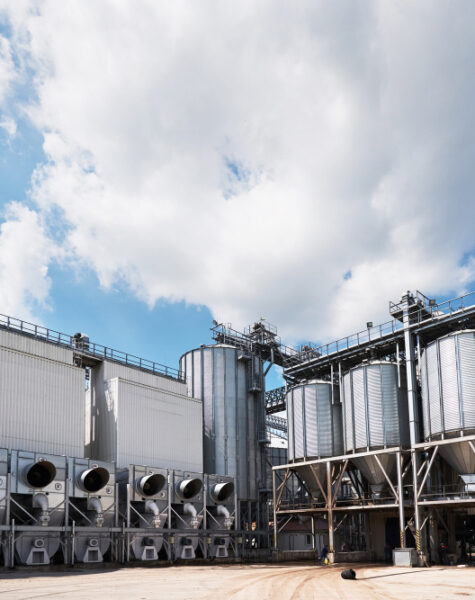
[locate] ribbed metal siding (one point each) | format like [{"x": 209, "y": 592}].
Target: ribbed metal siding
[
  {"x": 448, "y": 384},
  {"x": 231, "y": 413},
  {"x": 315, "y": 429},
  {"x": 375, "y": 408},
  {"x": 143, "y": 425},
  {"x": 42, "y": 403}
]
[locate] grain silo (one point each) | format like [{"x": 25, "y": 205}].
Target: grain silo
[
  {"x": 375, "y": 416},
  {"x": 448, "y": 398},
  {"x": 315, "y": 429},
  {"x": 230, "y": 384}
]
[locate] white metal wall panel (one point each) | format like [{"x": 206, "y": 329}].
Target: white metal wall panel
[
  {"x": 30, "y": 345},
  {"x": 109, "y": 370},
  {"x": 155, "y": 427},
  {"x": 42, "y": 404}
]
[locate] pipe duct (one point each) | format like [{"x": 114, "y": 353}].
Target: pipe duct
[
  {"x": 95, "y": 505},
  {"x": 39, "y": 474},
  {"x": 189, "y": 509},
  {"x": 189, "y": 488},
  {"x": 152, "y": 508},
  {"x": 93, "y": 480},
  {"x": 220, "y": 492},
  {"x": 228, "y": 519},
  {"x": 41, "y": 501},
  {"x": 150, "y": 485}
]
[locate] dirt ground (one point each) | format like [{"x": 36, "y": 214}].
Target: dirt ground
[{"x": 297, "y": 581}]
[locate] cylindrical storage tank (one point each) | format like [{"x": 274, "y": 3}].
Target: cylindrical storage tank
[
  {"x": 375, "y": 416},
  {"x": 448, "y": 396},
  {"x": 231, "y": 385},
  {"x": 314, "y": 421},
  {"x": 448, "y": 385},
  {"x": 315, "y": 428}
]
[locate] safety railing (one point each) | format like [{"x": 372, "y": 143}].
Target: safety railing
[
  {"x": 419, "y": 316},
  {"x": 86, "y": 347}
]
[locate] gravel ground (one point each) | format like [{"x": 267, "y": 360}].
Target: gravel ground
[{"x": 297, "y": 581}]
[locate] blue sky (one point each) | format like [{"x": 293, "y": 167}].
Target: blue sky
[{"x": 155, "y": 189}]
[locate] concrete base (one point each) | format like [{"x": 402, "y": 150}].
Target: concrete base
[{"x": 405, "y": 557}]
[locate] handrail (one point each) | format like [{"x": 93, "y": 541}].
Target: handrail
[
  {"x": 377, "y": 332},
  {"x": 87, "y": 347}
]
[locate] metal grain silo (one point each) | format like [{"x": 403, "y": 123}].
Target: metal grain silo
[
  {"x": 448, "y": 397},
  {"x": 315, "y": 428},
  {"x": 231, "y": 385},
  {"x": 375, "y": 416}
]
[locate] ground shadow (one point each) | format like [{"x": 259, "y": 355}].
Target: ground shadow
[{"x": 395, "y": 574}]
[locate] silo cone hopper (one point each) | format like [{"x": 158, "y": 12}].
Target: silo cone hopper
[
  {"x": 38, "y": 495},
  {"x": 144, "y": 499},
  {"x": 187, "y": 511},
  {"x": 92, "y": 507},
  {"x": 461, "y": 457},
  {"x": 371, "y": 471},
  {"x": 220, "y": 505},
  {"x": 310, "y": 474}
]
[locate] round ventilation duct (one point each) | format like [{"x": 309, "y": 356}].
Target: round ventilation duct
[
  {"x": 222, "y": 491},
  {"x": 189, "y": 488},
  {"x": 93, "y": 480},
  {"x": 39, "y": 474},
  {"x": 150, "y": 485}
]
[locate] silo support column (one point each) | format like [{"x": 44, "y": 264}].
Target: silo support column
[
  {"x": 402, "y": 524},
  {"x": 274, "y": 499},
  {"x": 331, "y": 541},
  {"x": 417, "y": 517}
]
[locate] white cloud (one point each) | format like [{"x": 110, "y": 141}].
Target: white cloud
[
  {"x": 9, "y": 126},
  {"x": 246, "y": 156},
  {"x": 7, "y": 69},
  {"x": 25, "y": 253}
]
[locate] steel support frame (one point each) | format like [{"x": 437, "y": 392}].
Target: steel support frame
[{"x": 335, "y": 469}]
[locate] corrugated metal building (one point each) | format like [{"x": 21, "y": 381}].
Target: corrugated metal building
[
  {"x": 145, "y": 419},
  {"x": 42, "y": 404}
]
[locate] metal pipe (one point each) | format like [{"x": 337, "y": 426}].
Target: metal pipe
[
  {"x": 330, "y": 510},
  {"x": 313, "y": 533},
  {"x": 274, "y": 509},
  {"x": 402, "y": 526},
  {"x": 413, "y": 416}
]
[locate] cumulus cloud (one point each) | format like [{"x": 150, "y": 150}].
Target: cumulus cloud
[
  {"x": 25, "y": 253},
  {"x": 304, "y": 162}
]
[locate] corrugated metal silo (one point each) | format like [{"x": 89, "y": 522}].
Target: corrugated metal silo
[
  {"x": 231, "y": 385},
  {"x": 448, "y": 397},
  {"x": 375, "y": 416},
  {"x": 315, "y": 428}
]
